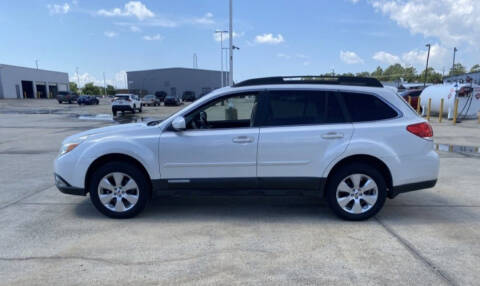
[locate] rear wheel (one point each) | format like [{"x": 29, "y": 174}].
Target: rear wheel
[
  {"x": 119, "y": 190},
  {"x": 140, "y": 109},
  {"x": 133, "y": 109},
  {"x": 356, "y": 192},
  {"x": 114, "y": 112}
]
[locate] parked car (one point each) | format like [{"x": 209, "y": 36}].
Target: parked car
[
  {"x": 172, "y": 100},
  {"x": 414, "y": 94},
  {"x": 161, "y": 95},
  {"x": 87, "y": 100},
  {"x": 150, "y": 100},
  {"x": 66, "y": 96},
  {"x": 126, "y": 102},
  {"x": 188, "y": 96},
  {"x": 346, "y": 139}
]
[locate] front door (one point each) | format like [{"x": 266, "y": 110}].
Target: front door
[{"x": 219, "y": 142}]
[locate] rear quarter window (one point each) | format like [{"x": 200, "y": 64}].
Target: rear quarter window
[{"x": 367, "y": 107}]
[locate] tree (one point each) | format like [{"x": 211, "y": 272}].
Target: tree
[
  {"x": 410, "y": 74},
  {"x": 458, "y": 68},
  {"x": 73, "y": 87},
  {"x": 110, "y": 90},
  {"x": 378, "y": 73},
  {"x": 475, "y": 68},
  {"x": 393, "y": 72},
  {"x": 91, "y": 89},
  {"x": 432, "y": 76},
  {"x": 363, "y": 74}
]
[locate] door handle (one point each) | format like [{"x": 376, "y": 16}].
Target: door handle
[
  {"x": 332, "y": 135},
  {"x": 242, "y": 139}
]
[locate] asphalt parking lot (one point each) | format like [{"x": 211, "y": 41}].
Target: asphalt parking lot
[{"x": 429, "y": 237}]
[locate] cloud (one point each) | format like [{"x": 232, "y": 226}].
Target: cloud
[
  {"x": 134, "y": 28},
  {"x": 156, "y": 37},
  {"x": 132, "y": 8},
  {"x": 386, "y": 58},
  {"x": 207, "y": 19},
  {"x": 350, "y": 58},
  {"x": 284, "y": 56},
  {"x": 453, "y": 22},
  {"x": 269, "y": 39},
  {"x": 58, "y": 8},
  {"x": 118, "y": 80},
  {"x": 110, "y": 34}
]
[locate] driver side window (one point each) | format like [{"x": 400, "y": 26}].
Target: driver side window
[{"x": 235, "y": 111}]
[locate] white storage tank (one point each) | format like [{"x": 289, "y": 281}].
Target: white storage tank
[{"x": 468, "y": 99}]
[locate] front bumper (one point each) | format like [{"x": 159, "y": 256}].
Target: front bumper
[
  {"x": 66, "y": 188},
  {"x": 122, "y": 108},
  {"x": 396, "y": 190}
]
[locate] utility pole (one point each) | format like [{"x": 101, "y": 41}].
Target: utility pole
[
  {"x": 453, "y": 65},
  {"x": 36, "y": 63},
  {"x": 104, "y": 85},
  {"x": 426, "y": 68},
  {"x": 221, "y": 55},
  {"x": 230, "y": 75},
  {"x": 195, "y": 61},
  {"x": 78, "y": 77}
]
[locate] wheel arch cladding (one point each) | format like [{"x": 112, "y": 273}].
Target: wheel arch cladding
[
  {"x": 365, "y": 159},
  {"x": 112, "y": 158}
]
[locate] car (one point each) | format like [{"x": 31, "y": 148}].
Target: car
[
  {"x": 150, "y": 100},
  {"x": 172, "y": 100},
  {"x": 87, "y": 100},
  {"x": 66, "y": 96},
  {"x": 161, "y": 95},
  {"x": 413, "y": 94},
  {"x": 126, "y": 102},
  {"x": 188, "y": 96},
  {"x": 348, "y": 140}
]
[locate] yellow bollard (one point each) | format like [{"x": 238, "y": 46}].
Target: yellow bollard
[
  {"x": 455, "y": 111},
  {"x": 409, "y": 100},
  {"x": 440, "y": 114},
  {"x": 418, "y": 105},
  {"x": 428, "y": 108}
]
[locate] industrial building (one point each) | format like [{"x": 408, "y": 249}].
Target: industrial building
[
  {"x": 473, "y": 77},
  {"x": 175, "y": 81},
  {"x": 21, "y": 82}
]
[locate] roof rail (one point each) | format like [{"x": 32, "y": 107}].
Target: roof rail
[{"x": 309, "y": 79}]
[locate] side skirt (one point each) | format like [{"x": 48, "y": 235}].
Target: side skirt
[{"x": 241, "y": 186}]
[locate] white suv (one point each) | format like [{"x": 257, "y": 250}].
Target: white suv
[
  {"x": 126, "y": 102},
  {"x": 343, "y": 138}
]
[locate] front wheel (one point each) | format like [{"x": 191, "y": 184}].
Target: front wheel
[
  {"x": 133, "y": 109},
  {"x": 140, "y": 109},
  {"x": 356, "y": 192},
  {"x": 119, "y": 190}
]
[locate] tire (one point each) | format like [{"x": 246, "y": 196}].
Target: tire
[
  {"x": 357, "y": 205},
  {"x": 114, "y": 112},
  {"x": 59, "y": 102},
  {"x": 133, "y": 109},
  {"x": 132, "y": 201},
  {"x": 140, "y": 110},
  {"x": 69, "y": 102}
]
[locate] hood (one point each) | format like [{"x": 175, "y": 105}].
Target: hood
[{"x": 105, "y": 131}]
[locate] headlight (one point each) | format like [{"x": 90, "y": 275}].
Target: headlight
[{"x": 67, "y": 147}]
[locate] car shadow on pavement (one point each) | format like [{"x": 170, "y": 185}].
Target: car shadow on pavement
[{"x": 433, "y": 209}]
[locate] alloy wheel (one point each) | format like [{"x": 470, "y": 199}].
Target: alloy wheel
[
  {"x": 357, "y": 193},
  {"x": 118, "y": 192}
]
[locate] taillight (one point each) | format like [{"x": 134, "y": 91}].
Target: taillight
[{"x": 423, "y": 130}]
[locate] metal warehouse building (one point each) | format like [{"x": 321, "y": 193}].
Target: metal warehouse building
[
  {"x": 21, "y": 82},
  {"x": 174, "y": 81},
  {"x": 474, "y": 76}
]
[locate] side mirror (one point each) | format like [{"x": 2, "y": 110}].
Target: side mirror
[{"x": 179, "y": 123}]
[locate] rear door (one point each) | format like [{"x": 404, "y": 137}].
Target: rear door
[{"x": 301, "y": 133}]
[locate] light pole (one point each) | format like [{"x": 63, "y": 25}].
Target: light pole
[
  {"x": 230, "y": 75},
  {"x": 453, "y": 65},
  {"x": 104, "y": 85},
  {"x": 426, "y": 68},
  {"x": 221, "y": 32},
  {"x": 78, "y": 77}
]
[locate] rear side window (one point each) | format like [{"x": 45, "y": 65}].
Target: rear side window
[
  {"x": 366, "y": 107},
  {"x": 300, "y": 107}
]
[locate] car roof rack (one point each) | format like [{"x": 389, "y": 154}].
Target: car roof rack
[{"x": 309, "y": 79}]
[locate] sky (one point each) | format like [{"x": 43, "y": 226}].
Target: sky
[{"x": 275, "y": 37}]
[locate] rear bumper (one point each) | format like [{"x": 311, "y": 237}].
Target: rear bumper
[
  {"x": 122, "y": 108},
  {"x": 64, "y": 187},
  {"x": 396, "y": 190}
]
